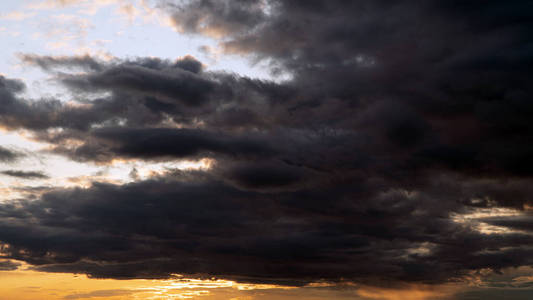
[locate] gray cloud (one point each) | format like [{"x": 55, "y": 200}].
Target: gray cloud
[{"x": 25, "y": 174}]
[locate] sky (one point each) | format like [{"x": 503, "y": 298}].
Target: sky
[{"x": 266, "y": 149}]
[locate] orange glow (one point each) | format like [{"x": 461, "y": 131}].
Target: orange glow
[
  {"x": 411, "y": 292},
  {"x": 25, "y": 284}
]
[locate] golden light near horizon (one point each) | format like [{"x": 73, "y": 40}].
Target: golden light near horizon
[{"x": 25, "y": 284}]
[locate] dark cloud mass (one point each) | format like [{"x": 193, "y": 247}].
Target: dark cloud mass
[
  {"x": 151, "y": 143},
  {"x": 399, "y": 116}
]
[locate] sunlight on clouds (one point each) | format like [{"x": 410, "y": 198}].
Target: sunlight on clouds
[
  {"x": 182, "y": 282},
  {"x": 422, "y": 249},
  {"x": 147, "y": 170},
  {"x": 184, "y": 288},
  {"x": 474, "y": 219},
  {"x": 73, "y": 174},
  {"x": 27, "y": 284},
  {"x": 133, "y": 170}
]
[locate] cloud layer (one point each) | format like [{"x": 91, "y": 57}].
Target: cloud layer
[{"x": 401, "y": 123}]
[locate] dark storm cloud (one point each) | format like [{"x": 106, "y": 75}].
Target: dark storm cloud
[
  {"x": 398, "y": 117},
  {"x": 197, "y": 224},
  {"x": 203, "y": 226},
  {"x": 175, "y": 81},
  {"x": 25, "y": 174},
  {"x": 156, "y": 143},
  {"x": 146, "y": 92},
  {"x": 180, "y": 84},
  {"x": 454, "y": 84},
  {"x": 261, "y": 175}
]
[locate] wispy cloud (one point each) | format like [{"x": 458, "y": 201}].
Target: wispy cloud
[{"x": 17, "y": 15}]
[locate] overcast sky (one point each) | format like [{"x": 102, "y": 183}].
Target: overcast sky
[{"x": 266, "y": 149}]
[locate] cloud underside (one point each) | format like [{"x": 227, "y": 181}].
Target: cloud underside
[{"x": 396, "y": 118}]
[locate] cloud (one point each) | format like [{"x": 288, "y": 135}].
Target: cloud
[
  {"x": 195, "y": 223},
  {"x": 153, "y": 143},
  {"x": 7, "y": 155},
  {"x": 24, "y": 174},
  {"x": 217, "y": 18},
  {"x": 17, "y": 16},
  {"x": 401, "y": 125}
]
